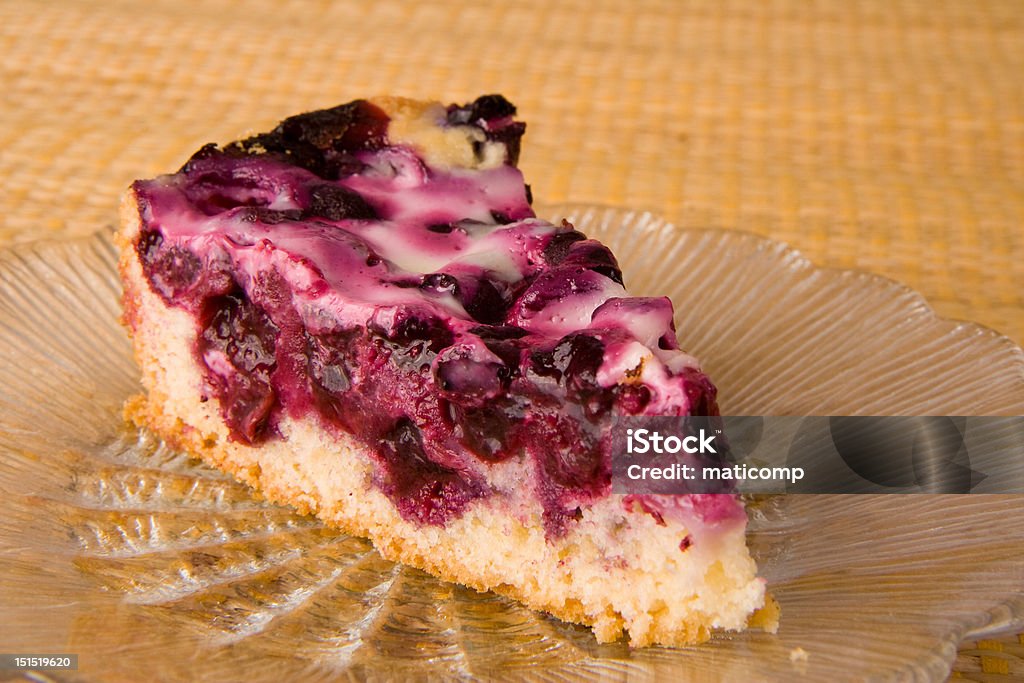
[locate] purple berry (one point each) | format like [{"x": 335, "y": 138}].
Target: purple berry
[
  {"x": 171, "y": 270},
  {"x": 261, "y": 214},
  {"x": 245, "y": 335},
  {"x": 422, "y": 490},
  {"x": 336, "y": 203},
  {"x": 440, "y": 283},
  {"x": 558, "y": 247},
  {"x": 486, "y": 304}
]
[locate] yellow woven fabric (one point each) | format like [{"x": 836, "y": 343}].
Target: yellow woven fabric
[
  {"x": 878, "y": 135},
  {"x": 881, "y": 135}
]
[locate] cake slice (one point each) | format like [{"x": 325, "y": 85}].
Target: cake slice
[{"x": 359, "y": 314}]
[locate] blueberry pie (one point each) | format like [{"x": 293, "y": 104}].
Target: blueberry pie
[{"x": 359, "y": 314}]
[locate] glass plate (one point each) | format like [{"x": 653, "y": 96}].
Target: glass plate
[{"x": 147, "y": 564}]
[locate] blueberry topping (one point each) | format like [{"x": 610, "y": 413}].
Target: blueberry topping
[
  {"x": 440, "y": 283},
  {"x": 269, "y": 216},
  {"x": 511, "y": 136},
  {"x": 510, "y": 351},
  {"x": 172, "y": 270},
  {"x": 484, "y": 108},
  {"x": 492, "y": 114},
  {"x": 234, "y": 329},
  {"x": 468, "y": 380},
  {"x": 489, "y": 332},
  {"x": 336, "y": 203},
  {"x": 148, "y": 246},
  {"x": 575, "y": 359},
  {"x": 222, "y": 189},
  {"x": 413, "y": 334},
  {"x": 311, "y": 300},
  {"x": 207, "y": 151},
  {"x": 558, "y": 247},
  {"x": 490, "y": 431},
  {"x": 589, "y": 254},
  {"x": 486, "y": 304},
  {"x": 332, "y": 377},
  {"x": 610, "y": 272},
  {"x": 489, "y": 107},
  {"x": 422, "y": 489}
]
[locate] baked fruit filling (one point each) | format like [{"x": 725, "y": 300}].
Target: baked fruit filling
[{"x": 376, "y": 269}]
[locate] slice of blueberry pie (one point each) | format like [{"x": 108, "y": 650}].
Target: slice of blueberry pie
[{"x": 359, "y": 314}]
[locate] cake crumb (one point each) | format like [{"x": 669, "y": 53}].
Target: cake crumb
[{"x": 798, "y": 654}]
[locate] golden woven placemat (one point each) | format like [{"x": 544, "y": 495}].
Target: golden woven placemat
[{"x": 887, "y": 136}]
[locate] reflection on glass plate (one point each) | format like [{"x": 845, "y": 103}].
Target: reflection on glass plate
[{"x": 139, "y": 560}]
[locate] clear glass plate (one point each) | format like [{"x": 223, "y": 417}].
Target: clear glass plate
[{"x": 149, "y": 565}]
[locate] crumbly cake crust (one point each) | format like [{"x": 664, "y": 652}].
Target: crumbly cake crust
[{"x": 588, "y": 576}]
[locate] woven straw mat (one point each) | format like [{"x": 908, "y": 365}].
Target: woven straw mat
[{"x": 885, "y": 136}]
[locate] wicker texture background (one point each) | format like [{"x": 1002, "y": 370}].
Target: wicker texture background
[{"x": 887, "y": 136}]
